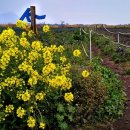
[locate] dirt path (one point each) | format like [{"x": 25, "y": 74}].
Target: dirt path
[{"x": 124, "y": 122}]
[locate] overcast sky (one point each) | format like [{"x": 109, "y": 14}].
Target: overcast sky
[{"x": 69, "y": 11}]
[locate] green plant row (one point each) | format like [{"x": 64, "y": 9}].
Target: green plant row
[
  {"x": 117, "y": 52},
  {"x": 100, "y": 98}
]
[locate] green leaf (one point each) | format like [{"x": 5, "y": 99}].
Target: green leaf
[
  {"x": 59, "y": 117},
  {"x": 71, "y": 109},
  {"x": 60, "y": 108},
  {"x": 70, "y": 118},
  {"x": 63, "y": 126}
]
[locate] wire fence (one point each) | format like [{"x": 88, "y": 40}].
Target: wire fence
[
  {"x": 118, "y": 33},
  {"x": 90, "y": 40},
  {"x": 115, "y": 32}
]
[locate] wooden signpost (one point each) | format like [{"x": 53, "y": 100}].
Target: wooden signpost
[
  {"x": 33, "y": 19},
  {"x": 31, "y": 12}
]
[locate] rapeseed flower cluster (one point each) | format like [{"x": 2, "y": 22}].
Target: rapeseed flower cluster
[
  {"x": 31, "y": 33},
  {"x": 6, "y": 57},
  {"x": 77, "y": 53},
  {"x": 31, "y": 122},
  {"x": 37, "y": 45},
  {"x": 85, "y": 73},
  {"x": 22, "y": 24},
  {"x": 26, "y": 96},
  {"x": 60, "y": 82},
  {"x": 24, "y": 43},
  {"x": 8, "y": 37},
  {"x": 42, "y": 125},
  {"x": 29, "y": 72},
  {"x": 9, "y": 108},
  {"x": 13, "y": 81},
  {"x": 49, "y": 68},
  {"x": 24, "y": 34},
  {"x": 20, "y": 112},
  {"x": 40, "y": 96},
  {"x": 69, "y": 97},
  {"x": 63, "y": 59},
  {"x": 46, "y": 28}
]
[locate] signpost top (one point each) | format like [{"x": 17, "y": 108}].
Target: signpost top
[
  {"x": 27, "y": 15},
  {"x": 30, "y": 12}
]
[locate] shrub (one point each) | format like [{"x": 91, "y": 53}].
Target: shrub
[
  {"x": 113, "y": 106},
  {"x": 89, "y": 93},
  {"x": 99, "y": 98},
  {"x": 34, "y": 84}
]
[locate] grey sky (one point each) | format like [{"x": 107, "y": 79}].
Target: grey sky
[{"x": 70, "y": 11}]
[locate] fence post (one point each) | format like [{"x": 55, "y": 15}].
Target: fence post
[
  {"x": 33, "y": 19},
  {"x": 118, "y": 37},
  {"x": 90, "y": 45}
]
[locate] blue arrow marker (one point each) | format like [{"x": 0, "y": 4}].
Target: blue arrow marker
[
  {"x": 40, "y": 17},
  {"x": 26, "y": 15}
]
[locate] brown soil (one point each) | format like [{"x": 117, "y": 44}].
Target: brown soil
[{"x": 124, "y": 122}]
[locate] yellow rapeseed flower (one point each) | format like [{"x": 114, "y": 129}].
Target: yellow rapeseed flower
[
  {"x": 36, "y": 45},
  {"x": 31, "y": 109},
  {"x": 42, "y": 125},
  {"x": 49, "y": 68},
  {"x": 60, "y": 82},
  {"x": 32, "y": 81},
  {"x": 9, "y": 108},
  {"x": 25, "y": 67},
  {"x": 85, "y": 73},
  {"x": 24, "y": 34},
  {"x": 31, "y": 122},
  {"x": 20, "y": 112},
  {"x": 46, "y": 28},
  {"x": 33, "y": 56},
  {"x": 63, "y": 59},
  {"x": 40, "y": 96},
  {"x": 68, "y": 97},
  {"x": 76, "y": 53},
  {"x": 60, "y": 49},
  {"x": 31, "y": 33},
  {"x": 26, "y": 96},
  {"x": 22, "y": 24},
  {"x": 47, "y": 56},
  {"x": 24, "y": 42}
]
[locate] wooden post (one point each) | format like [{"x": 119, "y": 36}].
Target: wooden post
[
  {"x": 118, "y": 37},
  {"x": 90, "y": 45},
  {"x": 33, "y": 19}
]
